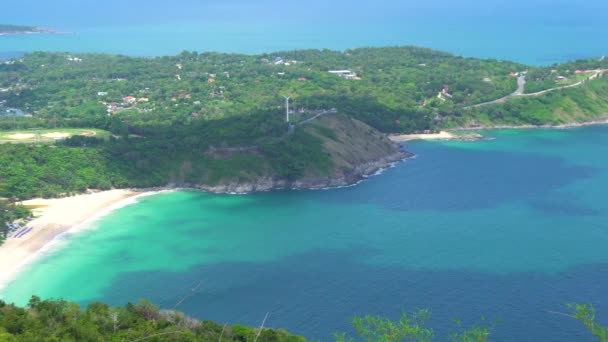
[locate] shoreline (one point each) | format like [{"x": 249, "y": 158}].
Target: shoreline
[
  {"x": 339, "y": 180},
  {"x": 448, "y": 134},
  {"x": 442, "y": 135},
  {"x": 59, "y": 216},
  {"x": 56, "y": 217},
  {"x": 598, "y": 122}
]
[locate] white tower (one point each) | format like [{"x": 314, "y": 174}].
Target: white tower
[{"x": 286, "y": 108}]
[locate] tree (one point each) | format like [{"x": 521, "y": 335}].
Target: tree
[
  {"x": 586, "y": 315},
  {"x": 409, "y": 328}
]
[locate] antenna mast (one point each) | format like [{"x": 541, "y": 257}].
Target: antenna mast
[{"x": 286, "y": 108}]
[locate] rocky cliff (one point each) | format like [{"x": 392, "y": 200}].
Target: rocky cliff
[{"x": 356, "y": 151}]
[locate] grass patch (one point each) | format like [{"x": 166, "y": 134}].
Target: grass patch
[{"x": 48, "y": 135}]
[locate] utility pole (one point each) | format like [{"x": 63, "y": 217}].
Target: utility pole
[{"x": 286, "y": 108}]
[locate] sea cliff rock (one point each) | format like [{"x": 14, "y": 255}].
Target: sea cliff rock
[{"x": 341, "y": 179}]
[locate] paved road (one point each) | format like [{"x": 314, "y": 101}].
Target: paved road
[
  {"x": 592, "y": 77},
  {"x": 521, "y": 84}
]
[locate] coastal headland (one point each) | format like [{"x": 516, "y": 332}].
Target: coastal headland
[{"x": 219, "y": 123}]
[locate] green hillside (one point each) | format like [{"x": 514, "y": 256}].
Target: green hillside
[{"x": 217, "y": 121}]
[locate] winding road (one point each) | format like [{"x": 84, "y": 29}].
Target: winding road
[{"x": 521, "y": 85}]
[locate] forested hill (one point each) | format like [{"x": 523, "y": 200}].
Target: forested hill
[
  {"x": 397, "y": 89},
  {"x": 217, "y": 121}
]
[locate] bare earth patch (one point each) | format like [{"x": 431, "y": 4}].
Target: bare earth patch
[
  {"x": 56, "y": 135},
  {"x": 21, "y": 136},
  {"x": 88, "y": 133}
]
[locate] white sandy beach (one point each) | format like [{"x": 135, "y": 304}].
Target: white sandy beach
[
  {"x": 443, "y": 135},
  {"x": 54, "y": 217}
]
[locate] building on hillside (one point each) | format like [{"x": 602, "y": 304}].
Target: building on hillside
[
  {"x": 347, "y": 74},
  {"x": 13, "y": 112}
]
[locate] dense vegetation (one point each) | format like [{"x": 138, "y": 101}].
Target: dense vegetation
[
  {"x": 584, "y": 103},
  {"x": 546, "y": 77},
  {"x": 168, "y": 156},
  {"x": 58, "y": 320},
  {"x": 211, "y": 118},
  {"x": 397, "y": 90},
  {"x": 411, "y": 327}
]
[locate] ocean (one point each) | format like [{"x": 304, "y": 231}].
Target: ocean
[
  {"x": 527, "y": 31},
  {"x": 501, "y": 232}
]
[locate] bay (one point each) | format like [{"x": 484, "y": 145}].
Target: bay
[{"x": 509, "y": 229}]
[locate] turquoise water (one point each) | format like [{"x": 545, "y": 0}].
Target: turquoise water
[
  {"x": 507, "y": 229},
  {"x": 528, "y": 31}
]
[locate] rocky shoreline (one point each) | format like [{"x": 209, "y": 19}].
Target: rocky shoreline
[
  {"x": 345, "y": 177},
  {"x": 560, "y": 126},
  {"x": 342, "y": 179},
  {"x": 264, "y": 184}
]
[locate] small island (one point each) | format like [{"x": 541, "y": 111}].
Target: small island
[{"x": 17, "y": 29}]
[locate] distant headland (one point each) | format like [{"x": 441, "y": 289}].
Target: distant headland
[{"x": 17, "y": 29}]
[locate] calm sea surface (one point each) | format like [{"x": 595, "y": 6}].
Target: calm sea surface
[
  {"x": 507, "y": 229},
  {"x": 529, "y": 31}
]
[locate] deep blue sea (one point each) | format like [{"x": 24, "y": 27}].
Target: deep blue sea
[
  {"x": 529, "y": 31},
  {"x": 510, "y": 229}
]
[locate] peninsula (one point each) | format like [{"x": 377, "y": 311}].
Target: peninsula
[
  {"x": 16, "y": 29},
  {"x": 234, "y": 123}
]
